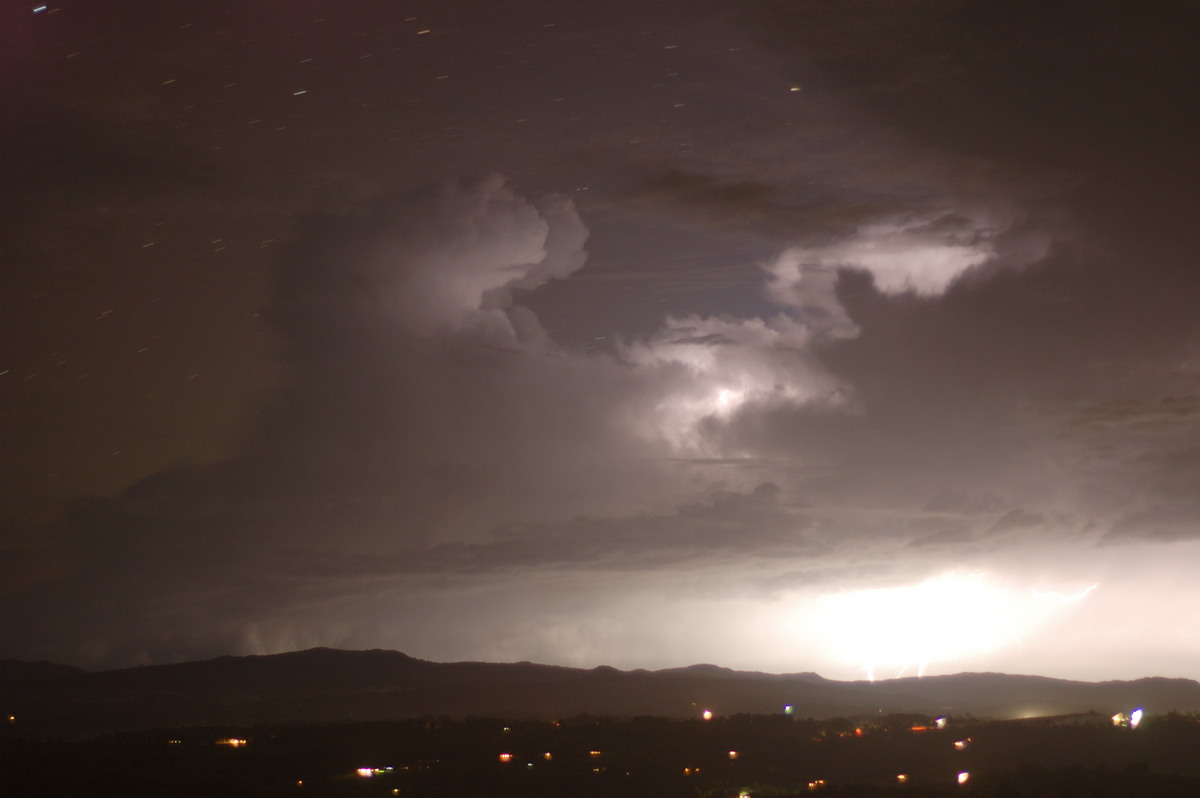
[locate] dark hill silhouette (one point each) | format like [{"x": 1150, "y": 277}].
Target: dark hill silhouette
[
  {"x": 324, "y": 685},
  {"x": 17, "y": 670}
]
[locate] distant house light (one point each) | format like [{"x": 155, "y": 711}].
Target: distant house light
[
  {"x": 1131, "y": 720},
  {"x": 733, "y": 754},
  {"x": 707, "y": 714},
  {"x": 964, "y": 777},
  {"x": 506, "y": 757},
  {"x": 940, "y": 723},
  {"x": 901, "y": 778}
]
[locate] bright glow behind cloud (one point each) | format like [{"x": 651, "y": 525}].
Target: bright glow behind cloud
[
  {"x": 715, "y": 365},
  {"x": 455, "y": 269},
  {"x": 949, "y": 618},
  {"x": 707, "y": 368},
  {"x": 921, "y": 254},
  {"x": 910, "y": 256}
]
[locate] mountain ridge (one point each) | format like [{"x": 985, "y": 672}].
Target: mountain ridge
[{"x": 336, "y": 685}]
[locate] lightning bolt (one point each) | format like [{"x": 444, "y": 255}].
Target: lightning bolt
[{"x": 1062, "y": 597}]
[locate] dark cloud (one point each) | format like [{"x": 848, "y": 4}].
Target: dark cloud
[
  {"x": 1163, "y": 523},
  {"x": 953, "y": 535},
  {"x": 1137, "y": 412},
  {"x": 855, "y": 309},
  {"x": 725, "y": 202},
  {"x": 1018, "y": 519},
  {"x": 730, "y": 523},
  {"x": 1004, "y": 78},
  {"x": 69, "y": 152},
  {"x": 959, "y": 502}
]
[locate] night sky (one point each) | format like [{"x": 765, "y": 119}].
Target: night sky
[{"x": 850, "y": 336}]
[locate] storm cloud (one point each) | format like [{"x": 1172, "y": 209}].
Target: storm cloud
[{"x": 854, "y": 338}]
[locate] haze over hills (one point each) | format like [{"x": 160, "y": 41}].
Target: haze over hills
[{"x": 324, "y": 685}]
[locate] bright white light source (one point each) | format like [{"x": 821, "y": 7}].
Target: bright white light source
[
  {"x": 964, "y": 777},
  {"x": 1135, "y": 718},
  {"x": 889, "y": 632},
  {"x": 728, "y": 400},
  {"x": 1065, "y": 598},
  {"x": 707, "y": 714},
  {"x": 707, "y": 368}
]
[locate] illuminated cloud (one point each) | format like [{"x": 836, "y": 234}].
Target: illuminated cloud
[
  {"x": 943, "y": 620},
  {"x": 445, "y": 263},
  {"x": 838, "y": 377},
  {"x": 469, "y": 467},
  {"x": 703, "y": 370},
  {"x": 711, "y": 367},
  {"x": 919, "y": 254}
]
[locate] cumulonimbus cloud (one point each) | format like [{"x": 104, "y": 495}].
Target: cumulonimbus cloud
[{"x": 448, "y": 264}]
